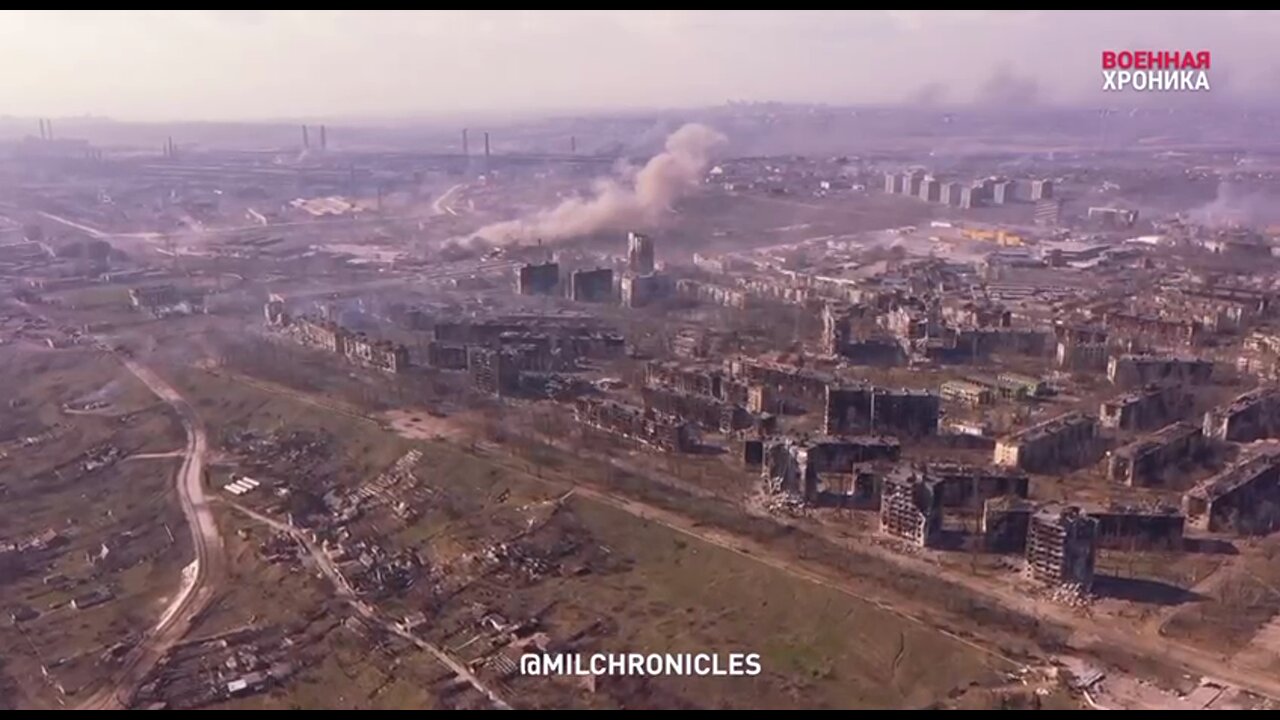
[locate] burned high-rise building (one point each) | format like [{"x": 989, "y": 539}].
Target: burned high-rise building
[
  {"x": 591, "y": 286},
  {"x": 538, "y": 279},
  {"x": 865, "y": 408},
  {"x": 493, "y": 370},
  {"x": 640, "y": 255},
  {"x": 910, "y": 507},
  {"x": 1062, "y": 546}
]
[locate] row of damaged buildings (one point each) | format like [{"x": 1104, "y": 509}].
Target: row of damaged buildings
[
  {"x": 356, "y": 347},
  {"x": 520, "y": 354}
]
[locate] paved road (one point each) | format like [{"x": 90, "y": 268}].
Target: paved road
[
  {"x": 368, "y": 611},
  {"x": 209, "y": 562}
]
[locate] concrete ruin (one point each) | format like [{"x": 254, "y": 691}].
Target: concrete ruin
[
  {"x": 1150, "y": 407},
  {"x": 1062, "y": 546},
  {"x": 493, "y": 371},
  {"x": 910, "y": 507},
  {"x": 1242, "y": 499},
  {"x": 1162, "y": 331},
  {"x": 1255, "y": 415},
  {"x": 709, "y": 413},
  {"x": 591, "y": 286},
  {"x": 793, "y": 466},
  {"x": 787, "y": 383},
  {"x": 866, "y": 408},
  {"x": 970, "y": 486},
  {"x": 1131, "y": 371},
  {"x": 1005, "y": 522},
  {"x": 1143, "y": 463},
  {"x": 647, "y": 427},
  {"x": 166, "y": 300},
  {"x": 356, "y": 348},
  {"x": 538, "y": 279},
  {"x": 1065, "y": 441},
  {"x": 712, "y": 294},
  {"x": 640, "y": 254},
  {"x": 1138, "y": 528},
  {"x": 1082, "y": 357},
  {"x": 642, "y": 290}
]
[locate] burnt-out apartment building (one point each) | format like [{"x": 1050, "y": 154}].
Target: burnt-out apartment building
[
  {"x": 785, "y": 383},
  {"x": 1062, "y": 546},
  {"x": 1254, "y": 415},
  {"x": 538, "y": 278},
  {"x": 866, "y": 408},
  {"x": 591, "y": 286},
  {"x": 495, "y": 371},
  {"x": 1150, "y": 407},
  {"x": 1131, "y": 371},
  {"x": 644, "y": 426},
  {"x": 1146, "y": 461},
  {"x": 1138, "y": 528},
  {"x": 794, "y": 466},
  {"x": 1244, "y": 498},
  {"x": 1166, "y": 332},
  {"x": 377, "y": 354},
  {"x": 1066, "y": 441},
  {"x": 910, "y": 507},
  {"x": 962, "y": 485},
  {"x": 709, "y": 413}
]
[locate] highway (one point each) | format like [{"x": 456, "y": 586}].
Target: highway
[{"x": 209, "y": 563}]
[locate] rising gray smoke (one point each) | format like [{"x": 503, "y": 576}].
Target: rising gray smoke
[
  {"x": 1236, "y": 205},
  {"x": 636, "y": 200}
]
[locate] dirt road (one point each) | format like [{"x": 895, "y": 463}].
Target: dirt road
[{"x": 194, "y": 597}]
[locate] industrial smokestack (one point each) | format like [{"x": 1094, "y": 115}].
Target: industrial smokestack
[
  {"x": 486, "y": 143},
  {"x": 573, "y": 145},
  {"x": 464, "y": 142},
  {"x": 48, "y": 125},
  {"x": 306, "y": 139},
  {"x": 324, "y": 142},
  {"x": 42, "y": 134}
]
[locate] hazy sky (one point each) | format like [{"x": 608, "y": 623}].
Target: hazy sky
[{"x": 276, "y": 64}]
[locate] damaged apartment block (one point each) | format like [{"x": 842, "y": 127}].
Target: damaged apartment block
[
  {"x": 591, "y": 286},
  {"x": 1062, "y": 547},
  {"x": 911, "y": 507},
  {"x": 1144, "y": 462},
  {"x": 794, "y": 466},
  {"x": 1244, "y": 498},
  {"x": 864, "y": 408},
  {"x": 1067, "y": 441},
  {"x": 538, "y": 279},
  {"x": 1130, "y": 371},
  {"x": 1254, "y": 415},
  {"x": 357, "y": 348},
  {"x": 709, "y": 413},
  {"x": 1150, "y": 407},
  {"x": 647, "y": 427}
]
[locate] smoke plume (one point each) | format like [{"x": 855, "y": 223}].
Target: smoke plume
[
  {"x": 1237, "y": 205},
  {"x": 636, "y": 200}
]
